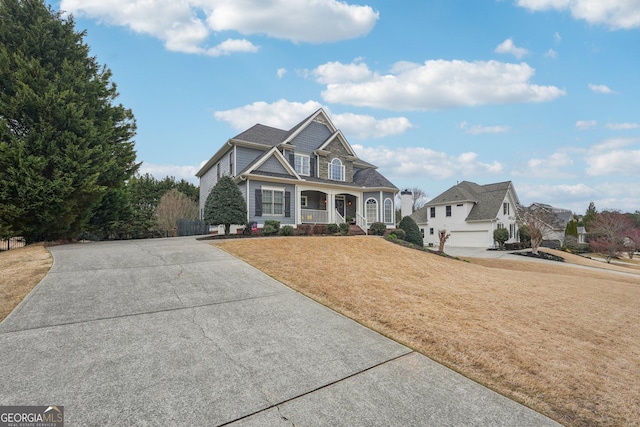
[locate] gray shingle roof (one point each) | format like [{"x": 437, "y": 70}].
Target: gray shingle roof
[
  {"x": 371, "y": 178},
  {"x": 261, "y": 134},
  {"x": 487, "y": 200}
]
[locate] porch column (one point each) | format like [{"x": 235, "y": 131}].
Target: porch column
[{"x": 331, "y": 202}]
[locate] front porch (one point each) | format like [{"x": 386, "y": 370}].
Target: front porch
[{"x": 317, "y": 207}]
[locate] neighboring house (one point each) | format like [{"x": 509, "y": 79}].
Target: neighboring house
[
  {"x": 470, "y": 213},
  {"x": 555, "y": 222},
  {"x": 308, "y": 174},
  {"x": 582, "y": 235}
]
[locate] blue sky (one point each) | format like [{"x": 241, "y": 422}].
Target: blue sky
[{"x": 545, "y": 93}]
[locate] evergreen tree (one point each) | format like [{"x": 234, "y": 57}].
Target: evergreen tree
[
  {"x": 225, "y": 205},
  {"x": 413, "y": 232},
  {"x": 64, "y": 144},
  {"x": 590, "y": 215}
]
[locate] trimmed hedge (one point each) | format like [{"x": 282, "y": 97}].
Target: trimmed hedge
[{"x": 413, "y": 232}]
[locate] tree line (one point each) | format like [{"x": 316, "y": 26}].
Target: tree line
[{"x": 67, "y": 160}]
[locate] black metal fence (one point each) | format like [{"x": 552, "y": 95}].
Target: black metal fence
[
  {"x": 193, "y": 227},
  {"x": 12, "y": 243}
]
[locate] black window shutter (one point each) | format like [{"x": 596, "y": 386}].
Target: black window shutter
[
  {"x": 287, "y": 204},
  {"x": 258, "y": 202},
  {"x": 312, "y": 166},
  {"x": 292, "y": 159}
]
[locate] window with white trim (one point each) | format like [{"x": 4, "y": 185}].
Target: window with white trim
[
  {"x": 302, "y": 164},
  {"x": 505, "y": 208},
  {"x": 371, "y": 210},
  {"x": 388, "y": 211},
  {"x": 272, "y": 202},
  {"x": 336, "y": 170},
  {"x": 304, "y": 201}
]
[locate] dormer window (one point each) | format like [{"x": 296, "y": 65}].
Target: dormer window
[
  {"x": 336, "y": 170},
  {"x": 301, "y": 164}
]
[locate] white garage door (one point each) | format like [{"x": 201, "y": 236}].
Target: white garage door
[{"x": 469, "y": 239}]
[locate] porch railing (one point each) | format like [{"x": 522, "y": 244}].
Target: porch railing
[
  {"x": 339, "y": 218},
  {"x": 314, "y": 216},
  {"x": 362, "y": 223}
]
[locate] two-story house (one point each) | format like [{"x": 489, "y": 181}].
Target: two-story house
[
  {"x": 308, "y": 174},
  {"x": 470, "y": 213}
]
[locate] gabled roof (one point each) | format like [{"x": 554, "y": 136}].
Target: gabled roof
[
  {"x": 255, "y": 165},
  {"x": 487, "y": 199}
]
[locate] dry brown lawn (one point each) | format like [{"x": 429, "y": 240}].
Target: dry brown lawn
[
  {"x": 21, "y": 270},
  {"x": 564, "y": 341}
]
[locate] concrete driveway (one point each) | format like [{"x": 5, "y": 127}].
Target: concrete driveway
[{"x": 177, "y": 332}]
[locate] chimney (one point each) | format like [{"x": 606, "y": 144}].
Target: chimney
[{"x": 406, "y": 203}]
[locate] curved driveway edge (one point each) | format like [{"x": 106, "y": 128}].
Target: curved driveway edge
[{"x": 178, "y": 332}]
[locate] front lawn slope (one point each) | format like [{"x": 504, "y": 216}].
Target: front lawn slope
[{"x": 561, "y": 340}]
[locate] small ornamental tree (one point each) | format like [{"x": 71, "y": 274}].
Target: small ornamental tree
[
  {"x": 413, "y": 232},
  {"x": 225, "y": 205},
  {"x": 501, "y": 235},
  {"x": 443, "y": 236}
]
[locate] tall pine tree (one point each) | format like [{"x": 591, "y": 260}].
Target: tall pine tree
[{"x": 64, "y": 143}]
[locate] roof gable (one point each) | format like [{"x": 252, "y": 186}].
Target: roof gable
[{"x": 272, "y": 162}]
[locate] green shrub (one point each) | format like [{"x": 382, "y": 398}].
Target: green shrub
[
  {"x": 272, "y": 222},
  {"x": 378, "y": 228},
  {"x": 392, "y": 236},
  {"x": 400, "y": 233},
  {"x": 344, "y": 228},
  {"x": 501, "y": 235},
  {"x": 332, "y": 228},
  {"x": 286, "y": 230},
  {"x": 269, "y": 230},
  {"x": 412, "y": 231}
]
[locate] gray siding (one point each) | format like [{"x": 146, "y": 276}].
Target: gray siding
[
  {"x": 311, "y": 138},
  {"x": 253, "y": 185},
  {"x": 245, "y": 156},
  {"x": 272, "y": 165}
]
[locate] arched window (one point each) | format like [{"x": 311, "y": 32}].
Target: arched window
[
  {"x": 336, "y": 170},
  {"x": 371, "y": 211},
  {"x": 388, "y": 211}
]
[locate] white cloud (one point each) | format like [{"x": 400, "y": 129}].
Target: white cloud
[
  {"x": 365, "y": 126},
  {"x": 577, "y": 196},
  {"x": 281, "y": 72},
  {"x": 434, "y": 85},
  {"x": 556, "y": 165},
  {"x": 551, "y": 54},
  {"x": 188, "y": 173},
  {"x": 557, "y": 37},
  {"x": 336, "y": 72},
  {"x": 615, "y": 157},
  {"x": 284, "y": 114},
  {"x": 622, "y": 126},
  {"x": 186, "y": 25},
  {"x": 480, "y": 129},
  {"x": 509, "y": 47},
  {"x": 230, "y": 46},
  {"x": 616, "y": 14},
  {"x": 586, "y": 124},
  {"x": 410, "y": 162},
  {"x": 600, "y": 88}
]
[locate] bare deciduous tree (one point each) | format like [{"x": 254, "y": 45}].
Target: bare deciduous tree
[
  {"x": 609, "y": 232},
  {"x": 173, "y": 206},
  {"x": 419, "y": 198}
]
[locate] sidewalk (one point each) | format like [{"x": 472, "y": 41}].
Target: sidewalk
[{"x": 177, "y": 332}]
